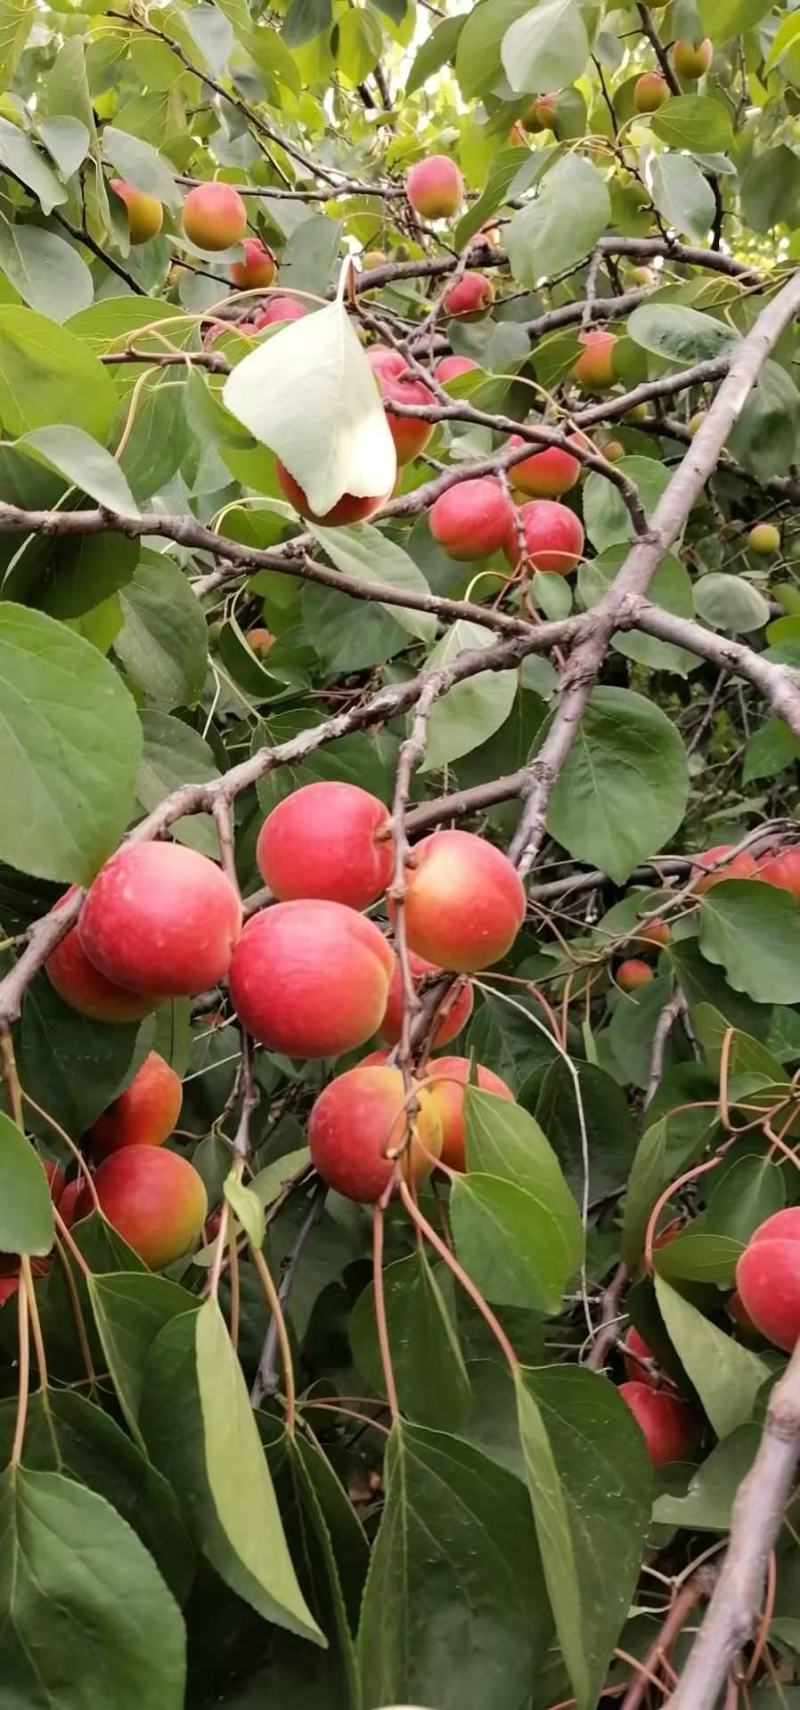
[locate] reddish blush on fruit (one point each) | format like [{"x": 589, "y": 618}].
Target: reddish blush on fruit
[
  {"x": 692, "y": 61},
  {"x": 469, "y": 298},
  {"x": 448, "y": 1077},
  {"x": 636, "y": 1350},
  {"x": 55, "y": 1179},
  {"x": 68, "y": 1203},
  {"x": 279, "y": 309},
  {"x": 214, "y": 216},
  {"x": 153, "y": 1198},
  {"x": 144, "y": 1114},
  {"x": 350, "y": 508},
  {"x": 594, "y": 368},
  {"x": 452, "y": 367},
  {"x": 782, "y": 870},
  {"x": 666, "y": 1423},
  {"x": 742, "y": 866},
  {"x": 650, "y": 91},
  {"x": 654, "y": 932},
  {"x": 311, "y": 978},
  {"x": 472, "y": 519},
  {"x": 322, "y": 841},
  {"x": 453, "y": 1018},
  {"x": 768, "y": 1278},
  {"x": 464, "y": 904},
  {"x": 410, "y": 436},
  {"x": 258, "y": 268},
  {"x": 633, "y": 974},
  {"x": 435, "y": 187},
  {"x": 546, "y": 474},
  {"x": 553, "y": 534},
  {"x": 260, "y": 641},
  {"x": 85, "y": 989},
  {"x": 145, "y": 213},
  {"x": 358, "y": 1119},
  {"x": 161, "y": 918}
]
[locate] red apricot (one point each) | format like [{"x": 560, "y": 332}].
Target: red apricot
[
  {"x": 469, "y": 298},
  {"x": 153, "y": 1198},
  {"x": 742, "y": 866},
  {"x": 311, "y": 978},
  {"x": 545, "y": 474},
  {"x": 351, "y": 508},
  {"x": 451, "y": 367},
  {"x": 435, "y": 187},
  {"x": 654, "y": 932},
  {"x": 768, "y": 1278},
  {"x": 144, "y": 1114},
  {"x": 68, "y": 1203},
  {"x": 449, "y": 1076},
  {"x": 321, "y": 842},
  {"x": 214, "y": 216},
  {"x": 666, "y": 1423},
  {"x": 258, "y": 268},
  {"x": 636, "y": 1344},
  {"x": 541, "y": 114},
  {"x": 692, "y": 62},
  {"x": 553, "y": 537},
  {"x": 161, "y": 918},
  {"x": 650, "y": 91},
  {"x": 358, "y": 1119},
  {"x": 632, "y": 974},
  {"x": 782, "y": 870},
  {"x": 410, "y": 436},
  {"x": 451, "y": 1023},
  {"x": 85, "y": 989},
  {"x": 464, "y": 902},
  {"x": 279, "y": 309},
  {"x": 55, "y": 1179},
  {"x": 145, "y": 213},
  {"x": 472, "y": 519},
  {"x": 260, "y": 641},
  {"x": 595, "y": 365}
]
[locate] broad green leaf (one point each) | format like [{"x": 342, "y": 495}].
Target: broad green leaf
[
  {"x": 47, "y": 272},
  {"x": 507, "y": 178},
  {"x": 83, "y": 462},
  {"x": 172, "y": 754},
  {"x": 730, "y": 603},
  {"x": 766, "y": 437},
  {"x": 726, "y": 18},
  {"x": 710, "y": 1494},
  {"x": 129, "y": 1310},
  {"x": 66, "y": 141},
  {"x": 363, "y": 551},
  {"x": 358, "y": 42},
  {"x": 66, "y": 1433},
  {"x": 669, "y": 1146},
  {"x": 770, "y": 750},
  {"x": 16, "y": 17},
  {"x": 69, "y": 746},
  {"x": 630, "y": 1032},
  {"x": 770, "y": 188},
  {"x": 78, "y": 1592},
  {"x": 511, "y": 1243},
  {"x": 785, "y": 37},
  {"x": 671, "y": 587},
  {"x": 609, "y": 1127},
  {"x": 546, "y": 48},
  {"x": 562, "y": 224},
  {"x": 589, "y": 1480},
  {"x": 21, "y": 157},
  {"x": 471, "y": 711},
  {"x": 727, "y": 1376},
  {"x": 502, "y": 1140},
  {"x": 478, "y": 61},
  {"x": 435, "y": 51},
  {"x": 507, "y": 1039},
  {"x": 622, "y": 793},
  {"x": 700, "y": 1257},
  {"x": 247, "y": 1207},
  {"x": 26, "y": 1210},
  {"x": 310, "y": 395},
  {"x": 753, "y": 931},
  {"x": 347, "y": 634},
  {"x": 431, "y": 1377},
  {"x": 163, "y": 643},
  {"x": 706, "y": 985},
  {"x": 455, "y": 1554},
  {"x": 48, "y": 375},
  {"x": 72, "y": 1066},
  {"x": 696, "y": 122},
  {"x": 142, "y": 165},
  {"x": 306, "y": 19},
  {"x": 608, "y": 520},
  {"x": 680, "y": 334},
  {"x": 308, "y": 262},
  {"x": 682, "y": 195}
]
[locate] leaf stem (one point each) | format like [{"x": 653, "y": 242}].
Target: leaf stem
[
  {"x": 276, "y": 1309},
  {"x": 462, "y": 1277}
]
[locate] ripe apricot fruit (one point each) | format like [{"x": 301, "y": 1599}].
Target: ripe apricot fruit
[
  {"x": 632, "y": 974},
  {"x": 361, "y": 1116},
  {"x": 594, "y": 368},
  {"x": 545, "y": 474},
  {"x": 410, "y": 436},
  {"x": 214, "y": 216},
  {"x": 464, "y": 902},
  {"x": 153, "y": 1198},
  {"x": 741, "y": 866},
  {"x": 448, "y": 1078},
  {"x": 258, "y": 268},
  {"x": 144, "y": 1114},
  {"x": 279, "y": 309},
  {"x": 435, "y": 187},
  {"x": 553, "y": 534},
  {"x": 160, "y": 918},
  {"x": 472, "y": 519},
  {"x": 145, "y": 213},
  {"x": 666, "y": 1423},
  {"x": 469, "y": 298},
  {"x": 85, "y": 989},
  {"x": 782, "y": 870},
  {"x": 650, "y": 91},
  {"x": 452, "y": 1020},
  {"x": 451, "y": 367},
  {"x": 768, "y": 1278},
  {"x": 636, "y": 1344},
  {"x": 351, "y": 508},
  {"x": 321, "y": 842},
  {"x": 692, "y": 62},
  {"x": 311, "y": 978}
]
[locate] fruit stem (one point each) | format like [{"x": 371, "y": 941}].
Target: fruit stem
[
  {"x": 461, "y": 1276},
  {"x": 70, "y": 1144},
  {"x": 8, "y": 1067},
  {"x": 380, "y": 1302},
  {"x": 279, "y": 1321}
]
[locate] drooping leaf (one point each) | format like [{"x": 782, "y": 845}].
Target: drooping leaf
[
  {"x": 727, "y": 1376},
  {"x": 510, "y": 1242},
  {"x": 753, "y": 932},
  {"x": 547, "y": 48},
  {"x": 709, "y": 1498},
  {"x": 363, "y": 551},
  {"x": 469, "y": 713},
  {"x": 562, "y": 224},
  {"x": 429, "y": 1369},
  {"x": 682, "y": 195},
  {"x": 129, "y": 1310},
  {"x": 163, "y": 643},
  {"x": 502, "y": 1140},
  {"x": 26, "y": 1211}
]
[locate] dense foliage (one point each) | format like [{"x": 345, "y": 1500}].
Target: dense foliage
[{"x": 265, "y": 1442}]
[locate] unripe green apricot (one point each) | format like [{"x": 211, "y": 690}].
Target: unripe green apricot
[{"x": 764, "y": 539}]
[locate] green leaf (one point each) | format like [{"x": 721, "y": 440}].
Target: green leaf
[
  {"x": 83, "y": 462},
  {"x": 546, "y": 48},
  {"x": 77, "y": 1593},
  {"x": 357, "y": 44},
  {"x": 65, "y": 1433},
  {"x": 671, "y": 587},
  {"x": 172, "y": 754},
  {"x": 455, "y": 1554},
  {"x": 361, "y": 550},
  {"x": 608, "y": 520},
  {"x": 727, "y": 1376},
  {"x": 72, "y": 1066},
  {"x": 471, "y": 711},
  {"x": 436, "y": 50},
  {"x": 247, "y": 1207},
  {"x": 130, "y": 1308},
  {"x": 562, "y": 224},
  {"x": 770, "y": 750},
  {"x": 669, "y": 1146},
  {"x": 142, "y": 165},
  {"x": 766, "y": 437},
  {"x": 69, "y": 746},
  {"x": 710, "y": 1494},
  {"x": 19, "y": 155},
  {"x": 308, "y": 260},
  {"x": 609, "y": 1127},
  {"x": 510, "y": 1242},
  {"x": 725, "y": 18},
  {"x": 507, "y": 178},
  {"x": 66, "y": 141},
  {"x": 47, "y": 272},
  {"x": 431, "y": 1377},
  {"x": 682, "y": 195},
  {"x": 753, "y": 932},
  {"x": 306, "y": 19},
  {"x": 679, "y": 334},
  {"x": 589, "y": 1480},
  {"x": 502, "y": 1140},
  {"x": 309, "y": 393},
  {"x": 16, "y": 17},
  {"x": 478, "y": 61},
  {"x": 26, "y": 1209},
  {"x": 622, "y": 793},
  {"x": 730, "y": 603},
  {"x": 696, "y": 122},
  {"x": 48, "y": 375},
  {"x": 770, "y": 188},
  {"x": 163, "y": 643}
]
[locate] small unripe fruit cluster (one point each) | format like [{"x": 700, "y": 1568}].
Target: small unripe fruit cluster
[
  {"x": 764, "y": 540},
  {"x": 435, "y": 188}
]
